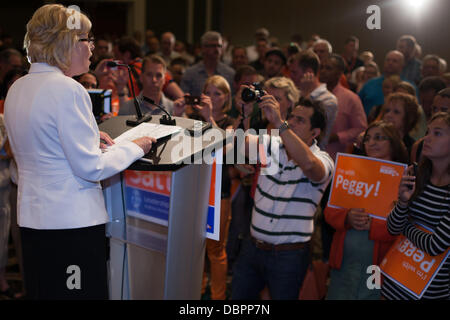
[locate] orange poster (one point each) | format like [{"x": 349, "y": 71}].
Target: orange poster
[
  {"x": 410, "y": 267},
  {"x": 363, "y": 182},
  {"x": 215, "y": 191}
]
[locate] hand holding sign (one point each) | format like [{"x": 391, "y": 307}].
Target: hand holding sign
[{"x": 358, "y": 219}]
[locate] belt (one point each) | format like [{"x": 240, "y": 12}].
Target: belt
[{"x": 278, "y": 247}]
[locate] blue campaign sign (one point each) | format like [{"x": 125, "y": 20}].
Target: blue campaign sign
[{"x": 148, "y": 195}]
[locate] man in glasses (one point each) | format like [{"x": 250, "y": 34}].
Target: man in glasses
[{"x": 195, "y": 76}]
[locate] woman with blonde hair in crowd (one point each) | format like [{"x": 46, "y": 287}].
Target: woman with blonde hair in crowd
[
  {"x": 215, "y": 102},
  {"x": 424, "y": 198},
  {"x": 56, "y": 144},
  {"x": 359, "y": 240}
]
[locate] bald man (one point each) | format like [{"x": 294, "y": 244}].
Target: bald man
[
  {"x": 167, "y": 44},
  {"x": 371, "y": 93}
]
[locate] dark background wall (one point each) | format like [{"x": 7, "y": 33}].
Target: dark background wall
[
  {"x": 335, "y": 20},
  {"x": 238, "y": 19}
]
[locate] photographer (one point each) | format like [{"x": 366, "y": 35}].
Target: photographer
[{"x": 277, "y": 252}]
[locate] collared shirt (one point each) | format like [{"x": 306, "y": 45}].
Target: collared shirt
[
  {"x": 350, "y": 120},
  {"x": 55, "y": 140},
  {"x": 285, "y": 202},
  {"x": 328, "y": 101},
  {"x": 195, "y": 77},
  {"x": 127, "y": 108}
]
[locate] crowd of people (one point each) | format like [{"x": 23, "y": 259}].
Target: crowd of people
[{"x": 323, "y": 99}]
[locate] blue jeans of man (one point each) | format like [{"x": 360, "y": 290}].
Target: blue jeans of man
[{"x": 282, "y": 271}]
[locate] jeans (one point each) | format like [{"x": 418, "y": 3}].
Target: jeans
[
  {"x": 282, "y": 271},
  {"x": 241, "y": 213}
]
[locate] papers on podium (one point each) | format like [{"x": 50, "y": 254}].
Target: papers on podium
[
  {"x": 145, "y": 129},
  {"x": 157, "y": 131}
]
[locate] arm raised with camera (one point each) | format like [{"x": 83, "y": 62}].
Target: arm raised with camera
[{"x": 297, "y": 149}]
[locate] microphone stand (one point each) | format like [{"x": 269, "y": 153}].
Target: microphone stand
[
  {"x": 139, "y": 117},
  {"x": 165, "y": 119}
]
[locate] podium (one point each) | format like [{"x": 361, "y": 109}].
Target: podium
[{"x": 157, "y": 239}]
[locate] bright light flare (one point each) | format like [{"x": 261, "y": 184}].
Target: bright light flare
[{"x": 415, "y": 4}]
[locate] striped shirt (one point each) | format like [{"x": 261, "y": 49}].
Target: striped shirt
[
  {"x": 431, "y": 209},
  {"x": 285, "y": 202}
]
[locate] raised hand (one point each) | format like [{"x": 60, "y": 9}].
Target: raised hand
[
  {"x": 271, "y": 109},
  {"x": 407, "y": 186}
]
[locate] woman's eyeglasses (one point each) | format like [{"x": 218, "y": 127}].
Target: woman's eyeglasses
[
  {"x": 377, "y": 138},
  {"x": 91, "y": 40}
]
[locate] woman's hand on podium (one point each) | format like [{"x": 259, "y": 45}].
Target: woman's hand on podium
[
  {"x": 145, "y": 143},
  {"x": 104, "y": 137}
]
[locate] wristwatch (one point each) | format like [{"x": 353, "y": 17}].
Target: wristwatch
[{"x": 284, "y": 126}]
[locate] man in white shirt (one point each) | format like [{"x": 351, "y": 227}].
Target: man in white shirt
[{"x": 277, "y": 253}]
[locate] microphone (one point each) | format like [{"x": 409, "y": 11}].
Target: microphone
[
  {"x": 165, "y": 119},
  {"x": 139, "y": 117}
]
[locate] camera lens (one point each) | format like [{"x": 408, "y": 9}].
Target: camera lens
[{"x": 248, "y": 95}]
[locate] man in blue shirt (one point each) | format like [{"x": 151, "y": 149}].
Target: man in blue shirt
[{"x": 371, "y": 93}]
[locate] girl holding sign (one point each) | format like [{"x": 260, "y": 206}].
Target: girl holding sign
[
  {"x": 359, "y": 240},
  {"x": 425, "y": 199}
]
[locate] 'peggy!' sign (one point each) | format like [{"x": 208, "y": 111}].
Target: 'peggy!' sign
[{"x": 368, "y": 183}]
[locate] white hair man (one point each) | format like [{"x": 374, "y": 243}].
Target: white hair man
[{"x": 323, "y": 49}]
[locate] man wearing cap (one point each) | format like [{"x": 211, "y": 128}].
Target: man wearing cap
[{"x": 274, "y": 62}]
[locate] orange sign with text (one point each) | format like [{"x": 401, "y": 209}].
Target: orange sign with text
[
  {"x": 368, "y": 183},
  {"x": 410, "y": 267},
  {"x": 153, "y": 181}
]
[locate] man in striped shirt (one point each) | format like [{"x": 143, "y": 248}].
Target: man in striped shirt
[{"x": 277, "y": 253}]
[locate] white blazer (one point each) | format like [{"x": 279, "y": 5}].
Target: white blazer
[{"x": 55, "y": 141}]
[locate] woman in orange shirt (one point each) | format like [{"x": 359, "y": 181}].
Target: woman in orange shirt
[{"x": 359, "y": 240}]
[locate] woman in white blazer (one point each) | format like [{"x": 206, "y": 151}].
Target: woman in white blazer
[{"x": 56, "y": 143}]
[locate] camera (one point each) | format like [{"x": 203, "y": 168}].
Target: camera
[
  {"x": 249, "y": 94},
  {"x": 101, "y": 102},
  {"x": 192, "y": 100}
]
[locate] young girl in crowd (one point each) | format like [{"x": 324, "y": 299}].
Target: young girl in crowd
[
  {"x": 425, "y": 199},
  {"x": 361, "y": 241},
  {"x": 215, "y": 102},
  {"x": 401, "y": 110}
]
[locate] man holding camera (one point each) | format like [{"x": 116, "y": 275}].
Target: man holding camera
[{"x": 276, "y": 254}]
